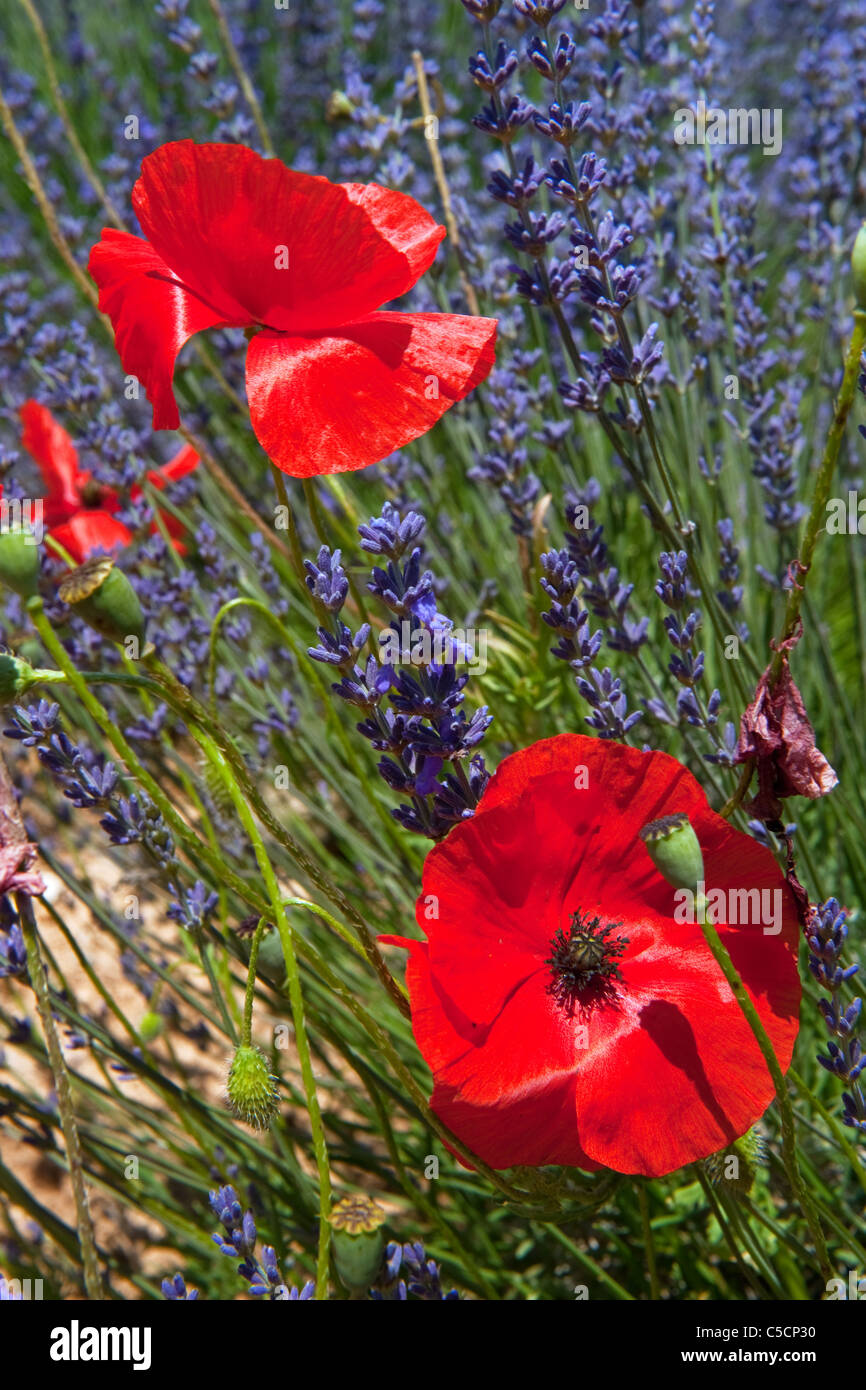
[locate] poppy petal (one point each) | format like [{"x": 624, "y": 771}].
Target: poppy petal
[
  {"x": 152, "y": 315},
  {"x": 405, "y": 225},
  {"x": 186, "y": 460},
  {"x": 269, "y": 245},
  {"x": 338, "y": 403},
  {"x": 510, "y": 1098},
  {"x": 48, "y": 443},
  {"x": 683, "y": 1051},
  {"x": 91, "y": 533}
]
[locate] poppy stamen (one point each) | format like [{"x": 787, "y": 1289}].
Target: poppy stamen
[
  {"x": 585, "y": 953},
  {"x": 91, "y": 493}
]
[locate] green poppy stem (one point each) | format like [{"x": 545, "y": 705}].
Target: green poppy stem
[
  {"x": 648, "y": 1241},
  {"x": 250, "y": 994},
  {"x": 789, "y": 1135},
  {"x": 296, "y": 1001},
  {"x": 817, "y": 517}
]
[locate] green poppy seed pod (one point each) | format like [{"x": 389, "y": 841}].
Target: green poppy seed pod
[
  {"x": 19, "y": 560},
  {"x": 251, "y": 1087},
  {"x": 673, "y": 847},
  {"x": 357, "y": 1240},
  {"x": 104, "y": 597},
  {"x": 858, "y": 267},
  {"x": 17, "y": 676},
  {"x": 150, "y": 1027}
]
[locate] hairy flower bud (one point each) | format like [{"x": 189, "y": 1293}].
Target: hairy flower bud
[
  {"x": 736, "y": 1167},
  {"x": 251, "y": 1087}
]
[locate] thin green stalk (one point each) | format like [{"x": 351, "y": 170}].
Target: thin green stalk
[
  {"x": 250, "y": 993},
  {"x": 45, "y": 1218},
  {"x": 320, "y": 526},
  {"x": 216, "y": 990},
  {"x": 320, "y": 1148},
  {"x": 684, "y": 529},
  {"x": 725, "y": 1228},
  {"x": 817, "y": 518},
  {"x": 200, "y": 721},
  {"x": 753, "y": 1245},
  {"x": 413, "y": 1192},
  {"x": 194, "y": 846},
  {"x": 385, "y": 1046},
  {"x": 386, "y": 821},
  {"x": 63, "y": 112},
  {"x": 241, "y": 74},
  {"x": 296, "y": 552},
  {"x": 857, "y": 1160},
  {"x": 229, "y": 486},
  {"x": 648, "y": 1241},
  {"x": 789, "y": 1136},
  {"x": 43, "y": 202},
  {"x": 587, "y": 1263}
]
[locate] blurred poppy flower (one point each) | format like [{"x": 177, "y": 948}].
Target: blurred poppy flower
[
  {"x": 567, "y": 1014},
  {"x": 79, "y": 510},
  {"x": 235, "y": 240}
]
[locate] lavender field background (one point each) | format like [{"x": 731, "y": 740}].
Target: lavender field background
[{"x": 616, "y": 514}]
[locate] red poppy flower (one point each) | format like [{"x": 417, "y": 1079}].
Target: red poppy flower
[
  {"x": 90, "y": 533},
  {"x": 80, "y": 511},
  {"x": 640, "y": 1060},
  {"x": 232, "y": 239}
]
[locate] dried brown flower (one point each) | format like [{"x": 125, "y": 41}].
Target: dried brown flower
[
  {"x": 16, "y": 852},
  {"x": 776, "y": 732}
]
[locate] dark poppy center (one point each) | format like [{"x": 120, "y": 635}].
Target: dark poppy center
[
  {"x": 91, "y": 493},
  {"x": 584, "y": 954}
]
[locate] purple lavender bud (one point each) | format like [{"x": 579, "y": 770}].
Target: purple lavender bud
[
  {"x": 533, "y": 239},
  {"x": 563, "y": 123},
  {"x": 483, "y": 10},
  {"x": 390, "y": 535},
  {"x": 580, "y": 190},
  {"x": 827, "y": 938},
  {"x": 540, "y": 12},
  {"x": 491, "y": 76},
  {"x": 176, "y": 1290},
  {"x": 326, "y": 579},
  {"x": 13, "y": 955},
  {"x": 192, "y": 907},
  {"x": 504, "y": 121},
  {"x": 520, "y": 188},
  {"x": 552, "y": 64}
]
